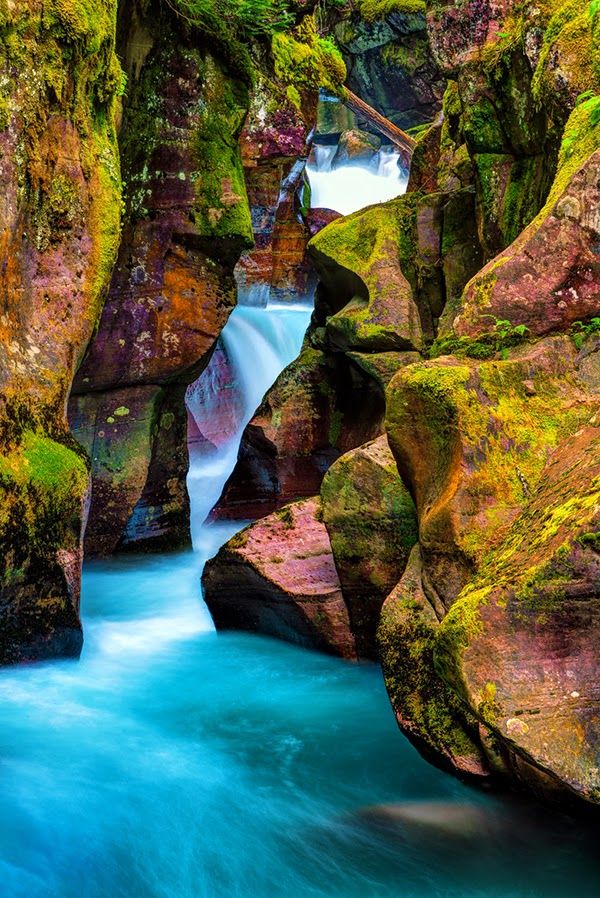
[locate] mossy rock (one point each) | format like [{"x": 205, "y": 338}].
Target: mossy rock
[
  {"x": 471, "y": 441},
  {"x": 546, "y": 279},
  {"x": 370, "y": 518},
  {"x": 360, "y": 261},
  {"x": 534, "y": 591},
  {"x": 427, "y": 710},
  {"x": 43, "y": 484}
]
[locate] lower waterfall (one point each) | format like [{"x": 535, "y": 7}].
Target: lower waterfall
[{"x": 255, "y": 345}]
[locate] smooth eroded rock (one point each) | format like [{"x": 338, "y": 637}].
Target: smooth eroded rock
[{"x": 278, "y": 577}]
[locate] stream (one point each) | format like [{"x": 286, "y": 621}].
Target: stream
[{"x": 172, "y": 762}]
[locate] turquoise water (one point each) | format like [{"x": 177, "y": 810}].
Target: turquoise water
[{"x": 174, "y": 763}]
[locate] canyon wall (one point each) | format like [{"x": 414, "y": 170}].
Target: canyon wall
[{"x": 59, "y": 231}]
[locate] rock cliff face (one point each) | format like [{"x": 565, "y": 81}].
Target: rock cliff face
[
  {"x": 180, "y": 95},
  {"x": 390, "y": 61},
  {"x": 473, "y": 303},
  {"x": 59, "y": 227},
  {"x": 187, "y": 219},
  {"x": 205, "y": 150}
]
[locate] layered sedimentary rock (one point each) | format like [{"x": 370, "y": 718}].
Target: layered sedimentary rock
[{"x": 59, "y": 226}]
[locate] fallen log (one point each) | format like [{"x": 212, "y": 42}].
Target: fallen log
[{"x": 396, "y": 135}]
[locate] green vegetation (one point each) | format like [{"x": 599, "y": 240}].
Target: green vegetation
[
  {"x": 302, "y": 56},
  {"x": 304, "y": 59},
  {"x": 580, "y": 139},
  {"x": 370, "y": 10},
  {"x": 244, "y": 18},
  {"x": 503, "y": 336},
  {"x": 580, "y": 330}
]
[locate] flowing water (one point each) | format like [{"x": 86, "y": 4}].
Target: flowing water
[
  {"x": 254, "y": 346},
  {"x": 172, "y": 762},
  {"x": 347, "y": 188}
]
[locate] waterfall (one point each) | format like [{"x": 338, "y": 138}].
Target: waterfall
[
  {"x": 323, "y": 155},
  {"x": 255, "y": 346},
  {"x": 347, "y": 188}
]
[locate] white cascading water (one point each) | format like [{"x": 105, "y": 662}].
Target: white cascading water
[
  {"x": 255, "y": 345},
  {"x": 350, "y": 187}
]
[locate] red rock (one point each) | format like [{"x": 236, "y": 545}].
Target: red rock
[
  {"x": 171, "y": 292},
  {"x": 278, "y": 577},
  {"x": 317, "y": 219},
  {"x": 371, "y": 521},
  {"x": 308, "y": 418},
  {"x": 550, "y": 276},
  {"x": 59, "y": 231}
]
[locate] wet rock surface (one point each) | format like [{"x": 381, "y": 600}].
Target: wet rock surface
[{"x": 278, "y": 577}]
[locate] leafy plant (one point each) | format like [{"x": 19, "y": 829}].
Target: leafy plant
[
  {"x": 245, "y": 18},
  {"x": 582, "y": 329}
]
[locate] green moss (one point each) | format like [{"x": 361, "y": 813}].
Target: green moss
[
  {"x": 482, "y": 128},
  {"x": 427, "y": 709},
  {"x": 581, "y": 138},
  {"x": 42, "y": 482},
  {"x": 286, "y": 516},
  {"x": 232, "y": 26},
  {"x": 590, "y": 540},
  {"x": 371, "y": 10},
  {"x": 304, "y": 59},
  {"x": 222, "y": 208},
  {"x": 410, "y": 59},
  {"x": 571, "y": 35},
  {"x": 504, "y": 336},
  {"x": 335, "y": 427},
  {"x": 459, "y": 627},
  {"x": 357, "y": 243}
]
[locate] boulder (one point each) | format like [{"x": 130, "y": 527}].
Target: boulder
[
  {"x": 278, "y": 577},
  {"x": 317, "y": 219},
  {"x": 371, "y": 521},
  {"x": 520, "y": 643},
  {"x": 359, "y": 262},
  {"x": 498, "y": 610},
  {"x": 356, "y": 147},
  {"x": 550, "y": 276}
]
